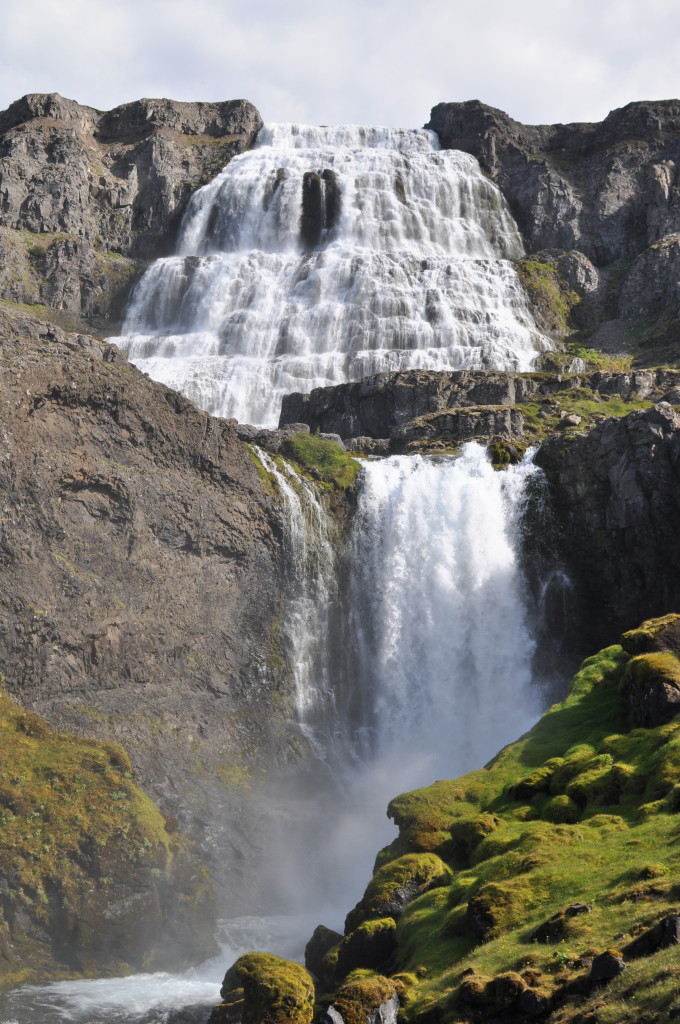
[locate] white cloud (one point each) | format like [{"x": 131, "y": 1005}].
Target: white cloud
[{"x": 383, "y": 61}]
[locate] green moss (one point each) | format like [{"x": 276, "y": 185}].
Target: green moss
[
  {"x": 637, "y": 641},
  {"x": 311, "y": 452},
  {"x": 550, "y": 300},
  {"x": 264, "y": 989},
  {"x": 361, "y": 994},
  {"x": 395, "y": 884}
]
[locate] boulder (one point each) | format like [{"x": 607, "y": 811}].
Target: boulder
[
  {"x": 370, "y": 946},
  {"x": 264, "y": 989},
  {"x": 322, "y": 941},
  {"x": 663, "y": 934},
  {"x": 606, "y": 966}
]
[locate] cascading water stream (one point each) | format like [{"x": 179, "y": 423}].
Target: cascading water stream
[
  {"x": 312, "y": 586},
  {"x": 443, "y": 648},
  {"x": 325, "y": 255}
]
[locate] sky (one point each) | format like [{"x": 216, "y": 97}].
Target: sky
[{"x": 354, "y": 61}]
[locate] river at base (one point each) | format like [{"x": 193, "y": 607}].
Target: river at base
[{"x": 160, "y": 998}]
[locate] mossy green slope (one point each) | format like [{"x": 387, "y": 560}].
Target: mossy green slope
[
  {"x": 580, "y": 812},
  {"x": 323, "y": 458},
  {"x": 93, "y": 878}
]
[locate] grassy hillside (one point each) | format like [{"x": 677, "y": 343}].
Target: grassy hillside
[{"x": 506, "y": 884}]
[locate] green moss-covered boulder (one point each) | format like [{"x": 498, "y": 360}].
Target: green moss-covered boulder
[
  {"x": 321, "y": 943},
  {"x": 362, "y": 994},
  {"x": 651, "y": 688},
  {"x": 396, "y": 884},
  {"x": 653, "y": 635},
  {"x": 370, "y": 945},
  {"x": 264, "y": 989}
]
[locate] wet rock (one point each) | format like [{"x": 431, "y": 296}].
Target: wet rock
[
  {"x": 322, "y": 941},
  {"x": 616, "y": 496},
  {"x": 663, "y": 934}
]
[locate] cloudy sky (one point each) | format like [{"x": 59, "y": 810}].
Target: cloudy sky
[{"x": 364, "y": 61}]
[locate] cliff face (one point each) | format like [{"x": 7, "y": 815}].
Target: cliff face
[
  {"x": 616, "y": 495},
  {"x": 611, "y": 191},
  {"x": 86, "y": 197},
  {"x": 142, "y": 581}
]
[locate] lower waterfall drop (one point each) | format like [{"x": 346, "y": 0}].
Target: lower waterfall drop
[
  {"x": 437, "y": 677},
  {"x": 443, "y": 646}
]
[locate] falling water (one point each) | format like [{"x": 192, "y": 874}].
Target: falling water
[
  {"x": 327, "y": 254},
  {"x": 438, "y": 610},
  {"x": 311, "y": 587}
]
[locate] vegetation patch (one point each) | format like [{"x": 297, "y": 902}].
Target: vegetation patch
[
  {"x": 323, "y": 459},
  {"x": 550, "y": 301},
  {"x": 73, "y": 823}
]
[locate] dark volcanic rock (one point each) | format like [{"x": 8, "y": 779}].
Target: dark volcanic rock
[
  {"x": 323, "y": 939},
  {"x": 86, "y": 196},
  {"x": 386, "y": 404},
  {"x": 141, "y": 580},
  {"x": 663, "y": 934},
  {"x": 606, "y": 966},
  {"x": 609, "y": 190},
  {"x": 616, "y": 495}
]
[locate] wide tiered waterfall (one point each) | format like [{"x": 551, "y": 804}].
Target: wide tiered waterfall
[
  {"x": 327, "y": 254},
  {"x": 320, "y": 256}
]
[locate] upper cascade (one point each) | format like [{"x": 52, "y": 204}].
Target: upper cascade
[{"x": 328, "y": 254}]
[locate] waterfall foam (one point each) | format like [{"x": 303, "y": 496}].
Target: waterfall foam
[
  {"x": 325, "y": 255},
  {"x": 438, "y": 607}
]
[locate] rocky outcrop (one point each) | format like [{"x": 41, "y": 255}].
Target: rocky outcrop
[
  {"x": 142, "y": 583},
  {"x": 460, "y": 405},
  {"x": 610, "y": 191},
  {"x": 616, "y": 496},
  {"x": 86, "y": 197},
  {"x": 93, "y": 878}
]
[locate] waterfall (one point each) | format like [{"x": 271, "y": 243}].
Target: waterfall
[
  {"x": 432, "y": 615},
  {"x": 311, "y": 587},
  {"x": 438, "y": 611},
  {"x": 327, "y": 254}
]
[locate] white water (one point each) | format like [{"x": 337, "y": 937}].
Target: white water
[
  {"x": 438, "y": 604},
  {"x": 414, "y": 273},
  {"x": 312, "y": 585},
  {"x": 150, "y": 998}
]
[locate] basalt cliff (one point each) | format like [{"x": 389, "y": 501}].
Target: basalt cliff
[{"x": 145, "y": 576}]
